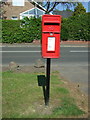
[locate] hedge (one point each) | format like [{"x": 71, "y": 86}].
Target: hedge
[
  {"x": 16, "y": 31},
  {"x": 27, "y": 30},
  {"x": 76, "y": 28}
]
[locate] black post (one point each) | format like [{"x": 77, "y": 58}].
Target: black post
[{"x": 47, "y": 81}]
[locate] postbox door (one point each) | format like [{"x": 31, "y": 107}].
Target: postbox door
[{"x": 50, "y": 45}]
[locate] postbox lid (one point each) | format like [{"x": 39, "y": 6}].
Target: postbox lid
[{"x": 51, "y": 18}]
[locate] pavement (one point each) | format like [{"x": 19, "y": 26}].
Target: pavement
[
  {"x": 38, "y": 44},
  {"x": 76, "y": 74}
]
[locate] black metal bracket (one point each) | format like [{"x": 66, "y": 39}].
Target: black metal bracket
[{"x": 45, "y": 82}]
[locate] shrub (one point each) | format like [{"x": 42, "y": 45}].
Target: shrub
[
  {"x": 33, "y": 25},
  {"x": 76, "y": 28},
  {"x": 29, "y": 29},
  {"x": 11, "y": 31},
  {"x": 16, "y": 31},
  {"x": 64, "y": 30}
]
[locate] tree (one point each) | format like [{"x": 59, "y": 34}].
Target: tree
[
  {"x": 50, "y": 6},
  {"x": 79, "y": 9}
]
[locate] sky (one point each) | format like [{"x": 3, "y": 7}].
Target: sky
[
  {"x": 89, "y": 6},
  {"x": 85, "y": 4},
  {"x": 60, "y": 7}
]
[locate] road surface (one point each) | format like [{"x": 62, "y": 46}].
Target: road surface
[{"x": 73, "y": 63}]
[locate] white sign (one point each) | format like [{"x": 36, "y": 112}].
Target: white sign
[{"x": 51, "y": 44}]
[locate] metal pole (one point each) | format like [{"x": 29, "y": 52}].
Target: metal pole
[{"x": 47, "y": 81}]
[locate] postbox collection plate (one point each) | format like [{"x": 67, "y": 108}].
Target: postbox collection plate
[{"x": 51, "y": 44}]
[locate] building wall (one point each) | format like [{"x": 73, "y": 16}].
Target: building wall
[{"x": 16, "y": 10}]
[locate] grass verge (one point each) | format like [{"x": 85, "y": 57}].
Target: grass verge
[{"x": 23, "y": 98}]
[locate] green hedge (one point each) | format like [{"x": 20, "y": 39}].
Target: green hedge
[
  {"x": 76, "y": 28},
  {"x": 27, "y": 30},
  {"x": 16, "y": 31}
]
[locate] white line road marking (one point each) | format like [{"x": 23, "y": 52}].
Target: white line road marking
[
  {"x": 80, "y": 51},
  {"x": 40, "y": 46},
  {"x": 36, "y": 51},
  {"x": 19, "y": 51}
]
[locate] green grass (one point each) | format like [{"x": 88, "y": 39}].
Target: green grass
[
  {"x": 67, "y": 108},
  {"x": 0, "y": 31},
  {"x": 62, "y": 90},
  {"x": 23, "y": 98}
]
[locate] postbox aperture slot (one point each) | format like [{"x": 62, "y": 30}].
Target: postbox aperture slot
[{"x": 51, "y": 24}]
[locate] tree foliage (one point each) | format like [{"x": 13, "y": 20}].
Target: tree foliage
[
  {"x": 76, "y": 28},
  {"x": 79, "y": 9}
]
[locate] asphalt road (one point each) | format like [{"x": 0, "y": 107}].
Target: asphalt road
[
  {"x": 73, "y": 63},
  {"x": 29, "y": 55}
]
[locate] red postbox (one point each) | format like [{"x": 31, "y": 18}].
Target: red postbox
[{"x": 51, "y": 27}]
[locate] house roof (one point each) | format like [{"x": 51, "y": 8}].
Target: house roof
[{"x": 64, "y": 14}]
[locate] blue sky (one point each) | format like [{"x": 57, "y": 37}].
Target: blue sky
[
  {"x": 60, "y": 7},
  {"x": 85, "y": 4},
  {"x": 89, "y": 6}
]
